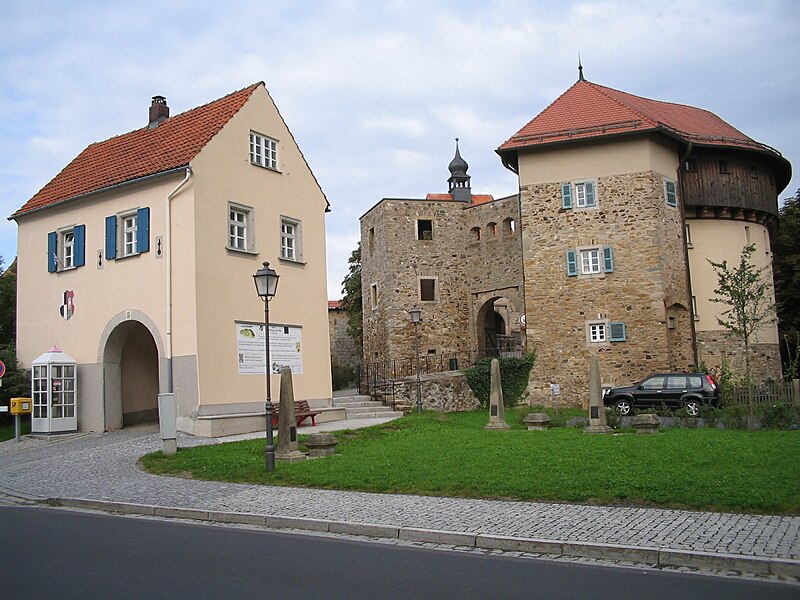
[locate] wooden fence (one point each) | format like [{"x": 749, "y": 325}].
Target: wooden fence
[{"x": 782, "y": 392}]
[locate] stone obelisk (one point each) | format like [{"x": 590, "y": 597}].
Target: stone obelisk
[
  {"x": 287, "y": 425},
  {"x": 597, "y": 412},
  {"x": 497, "y": 413}
]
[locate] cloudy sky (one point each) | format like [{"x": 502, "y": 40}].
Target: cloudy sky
[{"x": 375, "y": 92}]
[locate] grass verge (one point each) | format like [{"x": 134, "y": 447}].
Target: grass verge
[{"x": 452, "y": 455}]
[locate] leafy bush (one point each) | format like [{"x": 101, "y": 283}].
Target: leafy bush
[
  {"x": 342, "y": 376},
  {"x": 781, "y": 416},
  {"x": 514, "y": 374}
]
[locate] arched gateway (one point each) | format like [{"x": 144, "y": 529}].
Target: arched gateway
[{"x": 130, "y": 351}]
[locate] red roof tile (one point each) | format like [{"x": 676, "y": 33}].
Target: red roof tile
[
  {"x": 334, "y": 304},
  {"x": 173, "y": 144},
  {"x": 476, "y": 198},
  {"x": 588, "y": 110}
]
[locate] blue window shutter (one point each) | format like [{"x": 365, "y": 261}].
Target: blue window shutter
[
  {"x": 589, "y": 186},
  {"x": 616, "y": 332},
  {"x": 52, "y": 252},
  {"x": 572, "y": 263},
  {"x": 80, "y": 245},
  {"x": 143, "y": 230},
  {"x": 608, "y": 259},
  {"x": 111, "y": 237},
  {"x": 566, "y": 196}
]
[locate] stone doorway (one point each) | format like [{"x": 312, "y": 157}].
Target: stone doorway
[
  {"x": 130, "y": 375},
  {"x": 497, "y": 328}
]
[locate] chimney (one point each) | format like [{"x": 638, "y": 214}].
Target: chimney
[{"x": 159, "y": 112}]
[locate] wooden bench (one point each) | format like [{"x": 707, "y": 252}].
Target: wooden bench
[{"x": 302, "y": 411}]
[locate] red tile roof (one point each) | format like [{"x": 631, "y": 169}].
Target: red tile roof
[
  {"x": 476, "y": 198},
  {"x": 334, "y": 304},
  {"x": 588, "y": 110},
  {"x": 173, "y": 144}
]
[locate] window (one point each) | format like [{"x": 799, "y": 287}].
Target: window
[
  {"x": 424, "y": 229},
  {"x": 694, "y": 308},
  {"x": 263, "y": 151},
  {"x": 690, "y": 165},
  {"x": 604, "y": 331},
  {"x": 291, "y": 240},
  {"x": 66, "y": 249},
  {"x": 688, "y": 231},
  {"x": 237, "y": 229},
  {"x": 373, "y": 295},
  {"x": 753, "y": 172},
  {"x": 241, "y": 228},
  {"x": 590, "y": 261},
  {"x": 670, "y": 192},
  {"x": 597, "y": 332},
  {"x": 593, "y": 261},
  {"x": 581, "y": 193},
  {"x": 129, "y": 229},
  {"x": 723, "y": 167},
  {"x": 133, "y": 229},
  {"x": 427, "y": 289},
  {"x": 476, "y": 233},
  {"x": 492, "y": 229},
  {"x": 509, "y": 226},
  {"x": 654, "y": 383},
  {"x": 371, "y": 239},
  {"x": 747, "y": 235}
]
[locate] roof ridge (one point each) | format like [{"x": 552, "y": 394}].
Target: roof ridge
[{"x": 602, "y": 90}]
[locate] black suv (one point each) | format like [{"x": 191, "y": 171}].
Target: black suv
[{"x": 674, "y": 390}]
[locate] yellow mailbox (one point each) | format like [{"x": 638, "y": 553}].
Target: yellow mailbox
[{"x": 21, "y": 406}]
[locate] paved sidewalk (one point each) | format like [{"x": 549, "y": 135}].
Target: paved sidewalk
[{"x": 99, "y": 471}]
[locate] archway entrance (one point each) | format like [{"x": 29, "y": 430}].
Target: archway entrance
[
  {"x": 496, "y": 335},
  {"x": 130, "y": 376}
]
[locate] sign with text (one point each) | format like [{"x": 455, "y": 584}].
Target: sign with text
[{"x": 285, "y": 348}]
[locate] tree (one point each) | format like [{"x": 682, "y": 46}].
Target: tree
[
  {"x": 786, "y": 265},
  {"x": 16, "y": 381},
  {"x": 747, "y": 293},
  {"x": 351, "y": 301}
]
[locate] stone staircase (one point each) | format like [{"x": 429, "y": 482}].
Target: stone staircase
[{"x": 363, "y": 407}]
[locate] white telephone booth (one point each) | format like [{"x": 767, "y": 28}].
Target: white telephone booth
[{"x": 54, "y": 390}]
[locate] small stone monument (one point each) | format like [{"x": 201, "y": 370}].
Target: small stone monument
[
  {"x": 287, "y": 424},
  {"x": 497, "y": 413},
  {"x": 646, "y": 423},
  {"x": 537, "y": 421},
  {"x": 597, "y": 412},
  {"x": 321, "y": 444}
]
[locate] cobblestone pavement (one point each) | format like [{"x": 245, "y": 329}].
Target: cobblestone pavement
[{"x": 103, "y": 467}]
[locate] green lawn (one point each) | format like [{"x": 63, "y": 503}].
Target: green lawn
[
  {"x": 7, "y": 429},
  {"x": 452, "y": 455}
]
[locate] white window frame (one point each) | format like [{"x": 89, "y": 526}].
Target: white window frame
[
  {"x": 128, "y": 228},
  {"x": 587, "y": 258},
  {"x": 291, "y": 239},
  {"x": 241, "y": 233},
  {"x": 263, "y": 151},
  {"x": 597, "y": 332},
  {"x": 579, "y": 193},
  {"x": 67, "y": 249}
]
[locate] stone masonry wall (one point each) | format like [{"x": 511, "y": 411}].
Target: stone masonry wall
[
  {"x": 718, "y": 351},
  {"x": 648, "y": 284},
  {"x": 445, "y": 392},
  {"x": 343, "y": 347}
]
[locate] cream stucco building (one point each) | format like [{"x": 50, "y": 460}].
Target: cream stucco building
[{"x": 137, "y": 260}]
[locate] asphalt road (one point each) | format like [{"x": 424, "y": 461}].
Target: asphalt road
[{"x": 49, "y": 553}]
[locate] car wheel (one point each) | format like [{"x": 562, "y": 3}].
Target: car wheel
[
  {"x": 692, "y": 407},
  {"x": 624, "y": 407}
]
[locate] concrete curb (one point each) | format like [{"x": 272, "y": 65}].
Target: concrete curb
[{"x": 758, "y": 565}]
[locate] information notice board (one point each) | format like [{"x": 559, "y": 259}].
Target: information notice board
[{"x": 285, "y": 348}]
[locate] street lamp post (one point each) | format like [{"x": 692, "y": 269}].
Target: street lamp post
[
  {"x": 266, "y": 281},
  {"x": 416, "y": 317}
]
